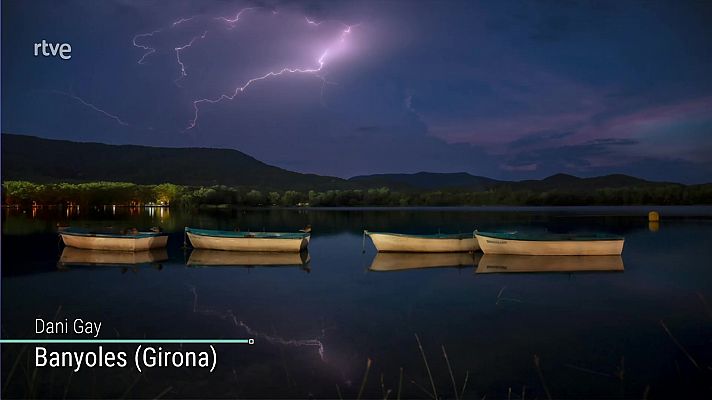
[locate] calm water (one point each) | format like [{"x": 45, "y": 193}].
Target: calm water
[{"x": 594, "y": 334}]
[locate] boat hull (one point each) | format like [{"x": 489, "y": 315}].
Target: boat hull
[
  {"x": 126, "y": 243},
  {"x": 385, "y": 242},
  {"x": 294, "y": 245},
  {"x": 494, "y": 245},
  {"x": 504, "y": 263}
]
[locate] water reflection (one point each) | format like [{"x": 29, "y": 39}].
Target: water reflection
[
  {"x": 653, "y": 226},
  {"x": 501, "y": 263},
  {"x": 229, "y": 315},
  {"x": 211, "y": 258},
  {"x": 405, "y": 261},
  {"x": 297, "y": 319},
  {"x": 74, "y": 256},
  {"x": 162, "y": 212}
]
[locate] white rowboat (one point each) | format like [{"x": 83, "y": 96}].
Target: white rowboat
[
  {"x": 87, "y": 239},
  {"x": 247, "y": 241},
  {"x": 549, "y": 244},
  {"x": 438, "y": 243}
]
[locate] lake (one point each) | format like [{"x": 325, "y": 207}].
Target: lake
[{"x": 643, "y": 330}]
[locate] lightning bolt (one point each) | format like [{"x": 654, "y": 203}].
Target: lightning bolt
[
  {"x": 93, "y": 107},
  {"x": 320, "y": 62},
  {"x": 181, "y": 20},
  {"x": 178, "y": 50},
  {"x": 233, "y": 21},
  {"x": 311, "y": 21},
  {"x": 149, "y": 50}
]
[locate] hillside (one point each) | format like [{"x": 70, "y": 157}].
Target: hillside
[
  {"x": 39, "y": 160},
  {"x": 462, "y": 181},
  {"x": 47, "y": 161},
  {"x": 574, "y": 183},
  {"x": 427, "y": 181}
]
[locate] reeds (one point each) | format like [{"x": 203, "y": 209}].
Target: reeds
[
  {"x": 400, "y": 383},
  {"x": 541, "y": 376},
  {"x": 449, "y": 369},
  {"x": 464, "y": 385},
  {"x": 164, "y": 392},
  {"x": 427, "y": 367},
  {"x": 385, "y": 392},
  {"x": 432, "y": 392},
  {"x": 365, "y": 378},
  {"x": 679, "y": 345}
]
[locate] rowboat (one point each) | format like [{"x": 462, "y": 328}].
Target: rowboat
[
  {"x": 248, "y": 241},
  {"x": 75, "y": 256},
  {"x": 438, "y": 243},
  {"x": 503, "y": 263},
  {"x": 212, "y": 258},
  {"x": 95, "y": 240},
  {"x": 404, "y": 261},
  {"x": 549, "y": 244}
]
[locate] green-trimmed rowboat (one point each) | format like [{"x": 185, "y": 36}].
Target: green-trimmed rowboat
[
  {"x": 247, "y": 241},
  {"x": 549, "y": 244},
  {"x": 437, "y": 243},
  {"x": 97, "y": 240}
]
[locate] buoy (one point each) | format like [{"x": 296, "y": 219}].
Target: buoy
[{"x": 653, "y": 221}]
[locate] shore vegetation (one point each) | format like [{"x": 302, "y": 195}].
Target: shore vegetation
[{"x": 23, "y": 194}]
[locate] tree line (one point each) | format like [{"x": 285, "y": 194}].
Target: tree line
[{"x": 23, "y": 193}]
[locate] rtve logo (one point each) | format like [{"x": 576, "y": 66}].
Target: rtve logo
[{"x": 63, "y": 50}]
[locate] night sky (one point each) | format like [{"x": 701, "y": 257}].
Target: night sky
[{"x": 507, "y": 90}]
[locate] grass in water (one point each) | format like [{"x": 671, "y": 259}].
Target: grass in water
[
  {"x": 449, "y": 369},
  {"x": 541, "y": 377},
  {"x": 365, "y": 378},
  {"x": 400, "y": 383},
  {"x": 427, "y": 367},
  {"x": 679, "y": 345}
]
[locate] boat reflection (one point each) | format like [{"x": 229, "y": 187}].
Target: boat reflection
[
  {"x": 404, "y": 261},
  {"x": 217, "y": 258},
  {"x": 72, "y": 256},
  {"x": 502, "y": 263}
]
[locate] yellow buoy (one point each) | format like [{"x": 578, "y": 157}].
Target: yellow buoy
[{"x": 654, "y": 221}]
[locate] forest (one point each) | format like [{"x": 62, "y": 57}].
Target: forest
[{"x": 27, "y": 194}]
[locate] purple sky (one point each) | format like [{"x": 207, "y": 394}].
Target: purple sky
[{"x": 506, "y": 90}]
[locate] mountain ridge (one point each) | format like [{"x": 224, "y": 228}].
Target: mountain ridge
[{"x": 42, "y": 160}]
